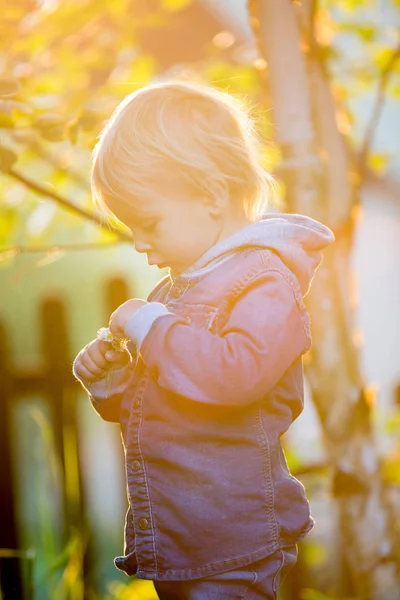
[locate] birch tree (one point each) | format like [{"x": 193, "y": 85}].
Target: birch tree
[{"x": 321, "y": 181}]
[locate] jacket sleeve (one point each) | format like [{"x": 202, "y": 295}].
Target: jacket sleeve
[
  {"x": 107, "y": 407},
  {"x": 266, "y": 332}
]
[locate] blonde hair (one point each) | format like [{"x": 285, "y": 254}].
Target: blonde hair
[{"x": 192, "y": 129}]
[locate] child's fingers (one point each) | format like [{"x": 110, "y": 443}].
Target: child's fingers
[
  {"x": 117, "y": 358},
  {"x": 99, "y": 353},
  {"x": 94, "y": 360},
  {"x": 106, "y": 348},
  {"x": 85, "y": 371},
  {"x": 95, "y": 366},
  {"x": 102, "y": 346}
]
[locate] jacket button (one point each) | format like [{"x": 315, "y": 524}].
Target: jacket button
[
  {"x": 176, "y": 292},
  {"x": 135, "y": 465},
  {"x": 143, "y": 523},
  {"x": 136, "y": 402}
]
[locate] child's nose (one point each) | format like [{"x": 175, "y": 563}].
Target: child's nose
[{"x": 141, "y": 246}]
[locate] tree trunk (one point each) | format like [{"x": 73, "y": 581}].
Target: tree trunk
[{"x": 316, "y": 172}]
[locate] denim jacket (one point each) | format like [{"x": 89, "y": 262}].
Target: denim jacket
[{"x": 216, "y": 379}]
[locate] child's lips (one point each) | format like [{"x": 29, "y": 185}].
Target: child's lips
[{"x": 159, "y": 264}]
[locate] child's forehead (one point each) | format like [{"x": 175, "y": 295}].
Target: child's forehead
[{"x": 131, "y": 210}]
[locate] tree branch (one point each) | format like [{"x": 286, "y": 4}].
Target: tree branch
[
  {"x": 33, "y": 249},
  {"x": 377, "y": 110},
  {"x": 43, "y": 191},
  {"x": 54, "y": 160}
]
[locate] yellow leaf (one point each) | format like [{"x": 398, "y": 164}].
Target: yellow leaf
[
  {"x": 174, "y": 5},
  {"x": 378, "y": 162},
  {"x": 9, "y": 86},
  {"x": 144, "y": 69},
  {"x": 391, "y": 468},
  {"x": 7, "y": 158},
  {"x": 325, "y": 28}
]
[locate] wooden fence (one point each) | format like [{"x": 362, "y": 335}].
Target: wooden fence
[{"x": 56, "y": 384}]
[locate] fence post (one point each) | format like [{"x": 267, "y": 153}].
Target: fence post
[
  {"x": 11, "y": 577},
  {"x": 59, "y": 387}
]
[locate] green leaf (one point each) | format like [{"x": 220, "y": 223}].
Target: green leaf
[
  {"x": 350, "y": 6},
  {"x": 7, "y": 223},
  {"x": 367, "y": 33},
  {"x": 292, "y": 459},
  {"x": 394, "y": 90},
  {"x": 315, "y": 553},
  {"x": 382, "y": 57},
  {"x": 391, "y": 468},
  {"x": 379, "y": 162},
  {"x": 392, "y": 423},
  {"x": 310, "y": 594}
]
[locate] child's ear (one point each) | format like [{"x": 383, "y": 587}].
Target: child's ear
[{"x": 217, "y": 206}]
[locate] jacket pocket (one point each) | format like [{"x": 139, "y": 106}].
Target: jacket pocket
[
  {"x": 202, "y": 315},
  {"x": 288, "y": 561}
]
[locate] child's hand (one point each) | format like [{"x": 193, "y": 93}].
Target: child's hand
[
  {"x": 91, "y": 363},
  {"x": 121, "y": 316}
]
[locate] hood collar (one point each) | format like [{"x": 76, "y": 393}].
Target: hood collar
[{"x": 297, "y": 239}]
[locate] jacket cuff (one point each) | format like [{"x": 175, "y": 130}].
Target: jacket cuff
[{"x": 139, "y": 325}]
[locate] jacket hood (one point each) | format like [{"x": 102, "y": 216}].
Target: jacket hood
[{"x": 297, "y": 239}]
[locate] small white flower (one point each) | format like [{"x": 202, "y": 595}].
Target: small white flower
[
  {"x": 105, "y": 334},
  {"x": 117, "y": 343}
]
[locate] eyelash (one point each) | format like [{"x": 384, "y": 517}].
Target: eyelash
[{"x": 150, "y": 227}]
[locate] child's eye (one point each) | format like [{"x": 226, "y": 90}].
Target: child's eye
[{"x": 150, "y": 228}]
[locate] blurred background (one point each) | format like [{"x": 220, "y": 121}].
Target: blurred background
[{"x": 323, "y": 81}]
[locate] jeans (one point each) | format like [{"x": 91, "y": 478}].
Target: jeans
[{"x": 259, "y": 580}]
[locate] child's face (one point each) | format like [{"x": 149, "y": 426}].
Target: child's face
[{"x": 173, "y": 232}]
